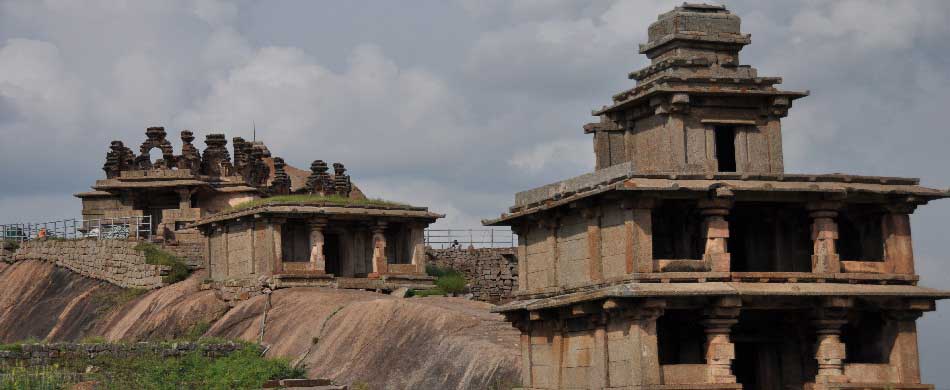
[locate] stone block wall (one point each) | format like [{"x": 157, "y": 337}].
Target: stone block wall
[
  {"x": 492, "y": 273},
  {"x": 193, "y": 253},
  {"x": 113, "y": 261},
  {"x": 47, "y": 354}
]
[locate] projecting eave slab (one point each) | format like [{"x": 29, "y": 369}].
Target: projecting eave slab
[
  {"x": 638, "y": 96},
  {"x": 326, "y": 210},
  {"x": 720, "y": 289},
  {"x": 622, "y": 178}
]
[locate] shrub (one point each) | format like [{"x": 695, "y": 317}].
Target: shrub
[
  {"x": 106, "y": 300},
  {"x": 156, "y": 256},
  {"x": 451, "y": 282},
  {"x": 195, "y": 332}
]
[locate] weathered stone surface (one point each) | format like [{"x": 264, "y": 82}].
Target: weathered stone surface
[
  {"x": 492, "y": 273},
  {"x": 114, "y": 261},
  {"x": 433, "y": 343}
]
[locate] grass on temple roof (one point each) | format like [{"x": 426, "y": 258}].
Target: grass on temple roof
[{"x": 315, "y": 200}]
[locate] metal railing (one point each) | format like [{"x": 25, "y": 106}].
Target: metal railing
[
  {"x": 105, "y": 228},
  {"x": 478, "y": 238}
]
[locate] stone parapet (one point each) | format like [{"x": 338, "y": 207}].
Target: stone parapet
[
  {"x": 492, "y": 273},
  {"x": 113, "y": 261}
]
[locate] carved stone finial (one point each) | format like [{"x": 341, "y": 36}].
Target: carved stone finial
[
  {"x": 341, "y": 181},
  {"x": 216, "y": 160},
  {"x": 319, "y": 182},
  {"x": 118, "y": 159},
  {"x": 281, "y": 183},
  {"x": 190, "y": 158}
]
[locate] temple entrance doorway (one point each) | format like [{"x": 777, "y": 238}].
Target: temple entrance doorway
[{"x": 332, "y": 253}]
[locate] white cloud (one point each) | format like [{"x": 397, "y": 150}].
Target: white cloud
[{"x": 554, "y": 155}]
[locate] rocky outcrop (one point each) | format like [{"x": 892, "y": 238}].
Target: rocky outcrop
[
  {"x": 349, "y": 336},
  {"x": 388, "y": 343},
  {"x": 42, "y": 301}
]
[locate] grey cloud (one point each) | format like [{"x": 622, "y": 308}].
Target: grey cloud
[{"x": 456, "y": 104}]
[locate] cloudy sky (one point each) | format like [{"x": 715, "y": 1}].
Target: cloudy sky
[{"x": 451, "y": 104}]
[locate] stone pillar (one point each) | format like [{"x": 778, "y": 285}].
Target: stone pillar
[
  {"x": 898, "y": 247},
  {"x": 522, "y": 232},
  {"x": 184, "y": 198},
  {"x": 649, "y": 311},
  {"x": 824, "y": 232},
  {"x": 716, "y": 233},
  {"x": 638, "y": 214},
  {"x": 550, "y": 223},
  {"x": 380, "y": 262},
  {"x": 417, "y": 240},
  {"x": 905, "y": 355},
  {"x": 318, "y": 263},
  {"x": 276, "y": 228},
  {"x": 829, "y": 350},
  {"x": 595, "y": 263},
  {"x": 720, "y": 351},
  {"x": 600, "y": 361}
]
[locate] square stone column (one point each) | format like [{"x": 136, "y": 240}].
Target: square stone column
[
  {"x": 830, "y": 353},
  {"x": 595, "y": 263},
  {"x": 720, "y": 351},
  {"x": 318, "y": 263},
  {"x": 824, "y": 233},
  {"x": 417, "y": 240},
  {"x": 638, "y": 220},
  {"x": 380, "y": 262},
  {"x": 716, "y": 232},
  {"x": 898, "y": 247}
]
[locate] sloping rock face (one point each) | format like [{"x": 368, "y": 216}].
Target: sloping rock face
[
  {"x": 42, "y": 301},
  {"x": 384, "y": 342},
  {"x": 169, "y": 312},
  {"x": 346, "y": 335}
]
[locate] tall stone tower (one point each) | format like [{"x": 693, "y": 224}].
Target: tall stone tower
[
  {"x": 690, "y": 260},
  {"x": 695, "y": 108}
]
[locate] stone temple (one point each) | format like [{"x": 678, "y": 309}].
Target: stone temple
[
  {"x": 689, "y": 259},
  {"x": 253, "y": 221}
]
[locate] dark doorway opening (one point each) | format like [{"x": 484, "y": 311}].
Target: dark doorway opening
[
  {"x": 295, "y": 242},
  {"x": 677, "y": 231},
  {"x": 680, "y": 337},
  {"x": 331, "y": 253},
  {"x": 773, "y": 350},
  {"x": 860, "y": 235},
  {"x": 769, "y": 238},
  {"x": 726, "y": 148}
]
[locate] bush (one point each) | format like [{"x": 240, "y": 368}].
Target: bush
[
  {"x": 452, "y": 282},
  {"x": 433, "y": 292},
  {"x": 156, "y": 256},
  {"x": 107, "y": 299}
]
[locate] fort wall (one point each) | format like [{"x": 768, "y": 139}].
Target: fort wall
[
  {"x": 491, "y": 272},
  {"x": 113, "y": 261}
]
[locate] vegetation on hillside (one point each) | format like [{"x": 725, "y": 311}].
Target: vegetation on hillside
[
  {"x": 448, "y": 281},
  {"x": 156, "y": 256},
  {"x": 317, "y": 200},
  {"x": 242, "y": 369}
]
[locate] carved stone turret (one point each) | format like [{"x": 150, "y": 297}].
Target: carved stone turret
[
  {"x": 256, "y": 171},
  {"x": 118, "y": 159},
  {"x": 319, "y": 182},
  {"x": 190, "y": 158},
  {"x": 155, "y": 138},
  {"x": 695, "y": 109},
  {"x": 242, "y": 154},
  {"x": 341, "y": 181},
  {"x": 281, "y": 183},
  {"x": 216, "y": 160}
]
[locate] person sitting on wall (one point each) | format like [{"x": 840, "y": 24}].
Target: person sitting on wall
[{"x": 455, "y": 245}]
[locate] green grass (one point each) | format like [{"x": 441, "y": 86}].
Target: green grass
[
  {"x": 156, "y": 256},
  {"x": 432, "y": 292},
  {"x": 242, "y": 369},
  {"x": 106, "y": 300},
  {"x": 447, "y": 281},
  {"x": 315, "y": 200}
]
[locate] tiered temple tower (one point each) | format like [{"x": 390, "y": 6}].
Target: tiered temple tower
[{"x": 689, "y": 260}]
